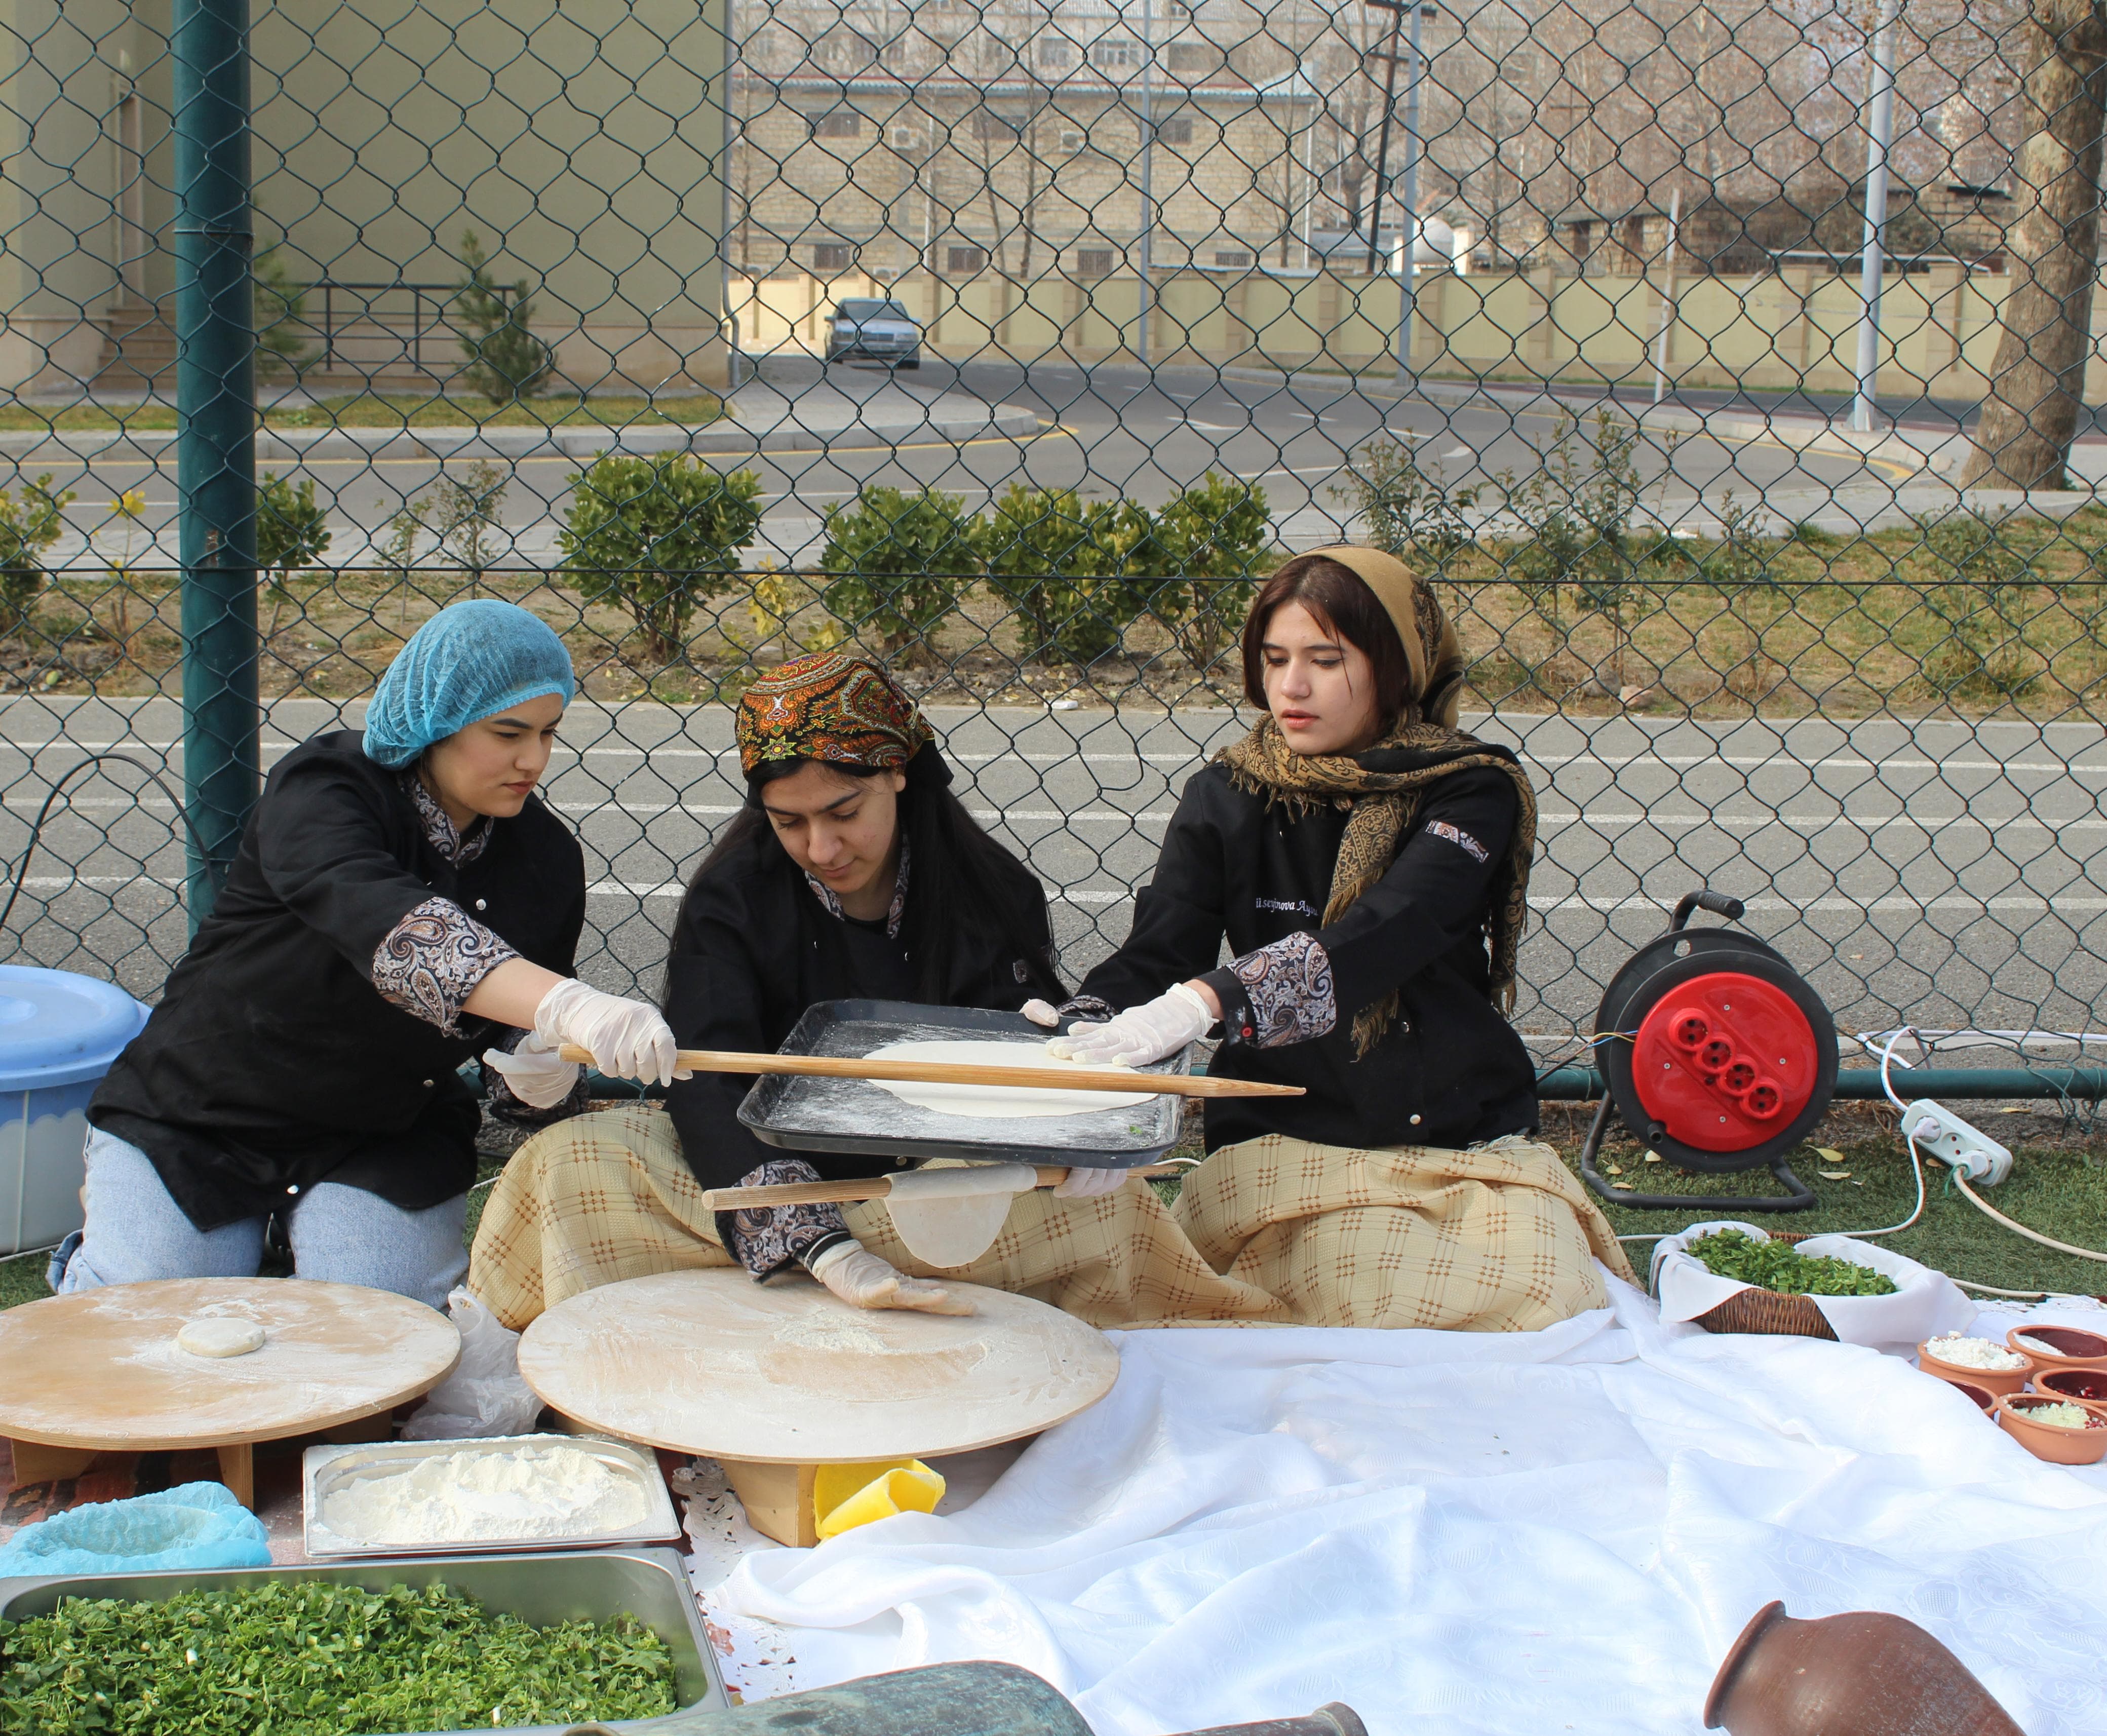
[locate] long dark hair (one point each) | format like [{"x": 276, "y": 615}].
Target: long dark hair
[{"x": 961, "y": 886}]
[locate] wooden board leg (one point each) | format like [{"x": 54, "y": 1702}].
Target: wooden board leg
[
  {"x": 237, "y": 1470},
  {"x": 778, "y": 1499},
  {"x": 36, "y": 1464}
]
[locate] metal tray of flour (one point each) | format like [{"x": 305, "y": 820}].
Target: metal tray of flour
[{"x": 855, "y": 1116}]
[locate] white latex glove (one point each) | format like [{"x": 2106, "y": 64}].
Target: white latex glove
[
  {"x": 1140, "y": 1035},
  {"x": 627, "y": 1038},
  {"x": 1041, "y": 1013},
  {"x": 865, "y": 1279},
  {"x": 538, "y": 1076},
  {"x": 1090, "y": 1183}
]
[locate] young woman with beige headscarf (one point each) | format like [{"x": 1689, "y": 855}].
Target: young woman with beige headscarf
[{"x": 1368, "y": 864}]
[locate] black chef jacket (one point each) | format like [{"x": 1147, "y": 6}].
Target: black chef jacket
[
  {"x": 1450, "y": 1070},
  {"x": 753, "y": 948},
  {"x": 273, "y": 1062}
]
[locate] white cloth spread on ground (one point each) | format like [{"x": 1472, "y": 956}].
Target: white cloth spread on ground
[{"x": 1522, "y": 1533}]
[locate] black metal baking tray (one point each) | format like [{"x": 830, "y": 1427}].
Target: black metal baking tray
[{"x": 855, "y": 1116}]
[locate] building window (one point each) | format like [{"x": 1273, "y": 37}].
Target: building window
[
  {"x": 962, "y": 262},
  {"x": 830, "y": 256},
  {"x": 1191, "y": 57},
  {"x": 1176, "y": 10},
  {"x": 896, "y": 52},
  {"x": 1178, "y": 130},
  {"x": 1116, "y": 50},
  {"x": 1233, "y": 258},
  {"x": 1093, "y": 261},
  {"x": 992, "y": 128},
  {"x": 1055, "y": 51},
  {"x": 842, "y": 123}
]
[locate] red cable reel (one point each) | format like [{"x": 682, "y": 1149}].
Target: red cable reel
[{"x": 1718, "y": 1056}]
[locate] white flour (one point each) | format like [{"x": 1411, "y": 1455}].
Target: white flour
[{"x": 541, "y": 1491}]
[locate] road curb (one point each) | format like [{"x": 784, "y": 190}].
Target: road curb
[
  {"x": 294, "y": 445},
  {"x": 1802, "y": 433}
]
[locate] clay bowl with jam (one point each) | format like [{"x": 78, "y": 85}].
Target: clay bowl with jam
[
  {"x": 2067, "y": 1347},
  {"x": 2087, "y": 1385},
  {"x": 2048, "y": 1441},
  {"x": 1995, "y": 1382}
]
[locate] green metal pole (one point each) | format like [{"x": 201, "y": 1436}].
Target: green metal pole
[
  {"x": 216, "y": 437},
  {"x": 1861, "y": 1084}
]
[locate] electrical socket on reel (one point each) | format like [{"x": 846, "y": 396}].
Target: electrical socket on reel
[{"x": 1937, "y": 1132}]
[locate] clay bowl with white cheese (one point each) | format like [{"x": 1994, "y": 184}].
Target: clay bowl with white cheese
[{"x": 1996, "y": 1382}]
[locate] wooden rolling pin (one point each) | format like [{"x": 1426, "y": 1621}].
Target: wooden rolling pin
[
  {"x": 870, "y": 1187},
  {"x": 964, "y": 1072}
]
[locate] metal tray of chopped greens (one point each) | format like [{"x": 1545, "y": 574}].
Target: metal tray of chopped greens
[
  {"x": 856, "y": 1116},
  {"x": 592, "y": 1585}
]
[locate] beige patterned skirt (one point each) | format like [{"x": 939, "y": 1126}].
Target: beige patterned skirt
[{"x": 1273, "y": 1231}]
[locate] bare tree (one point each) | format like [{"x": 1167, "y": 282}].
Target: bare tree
[{"x": 2037, "y": 380}]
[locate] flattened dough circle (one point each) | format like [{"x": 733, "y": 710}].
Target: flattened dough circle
[
  {"x": 992, "y": 1102},
  {"x": 220, "y": 1335}
]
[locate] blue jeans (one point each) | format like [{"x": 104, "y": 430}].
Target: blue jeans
[{"x": 344, "y": 1234}]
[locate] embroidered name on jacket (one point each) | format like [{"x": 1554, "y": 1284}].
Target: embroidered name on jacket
[
  {"x": 1461, "y": 838},
  {"x": 1292, "y": 907}
]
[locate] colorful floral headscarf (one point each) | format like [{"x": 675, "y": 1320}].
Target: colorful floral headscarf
[{"x": 834, "y": 707}]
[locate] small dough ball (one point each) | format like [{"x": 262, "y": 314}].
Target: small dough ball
[{"x": 220, "y": 1337}]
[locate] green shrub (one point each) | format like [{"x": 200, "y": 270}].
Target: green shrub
[
  {"x": 1214, "y": 536},
  {"x": 1052, "y": 559},
  {"x": 1407, "y": 511},
  {"x": 28, "y": 529},
  {"x": 903, "y": 561},
  {"x": 292, "y": 528},
  {"x": 505, "y": 360},
  {"x": 282, "y": 316},
  {"x": 656, "y": 533}
]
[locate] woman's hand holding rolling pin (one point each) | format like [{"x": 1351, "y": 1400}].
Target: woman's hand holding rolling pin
[
  {"x": 628, "y": 1039},
  {"x": 1142, "y": 1034}
]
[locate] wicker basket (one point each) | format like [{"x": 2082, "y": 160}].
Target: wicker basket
[
  {"x": 1765, "y": 1310},
  {"x": 1753, "y": 1309}
]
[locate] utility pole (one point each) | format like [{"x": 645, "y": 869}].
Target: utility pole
[
  {"x": 1407, "y": 281},
  {"x": 1879, "y": 134},
  {"x": 1667, "y": 298},
  {"x": 216, "y": 437},
  {"x": 1395, "y": 8},
  {"x": 1145, "y": 249}
]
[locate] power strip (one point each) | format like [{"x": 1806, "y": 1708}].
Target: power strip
[{"x": 1937, "y": 1132}]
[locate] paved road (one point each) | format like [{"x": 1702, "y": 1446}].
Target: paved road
[
  {"x": 1943, "y": 872},
  {"x": 1107, "y": 431}
]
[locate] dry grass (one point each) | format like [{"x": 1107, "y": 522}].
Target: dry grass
[{"x": 433, "y": 409}]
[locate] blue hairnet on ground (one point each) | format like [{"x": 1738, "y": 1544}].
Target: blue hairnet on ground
[{"x": 469, "y": 661}]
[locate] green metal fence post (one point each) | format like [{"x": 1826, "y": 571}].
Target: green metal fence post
[{"x": 216, "y": 438}]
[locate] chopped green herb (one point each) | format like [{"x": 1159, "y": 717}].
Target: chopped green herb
[
  {"x": 316, "y": 1659},
  {"x": 1779, "y": 1267}
]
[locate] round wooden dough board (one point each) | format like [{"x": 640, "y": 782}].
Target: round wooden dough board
[
  {"x": 711, "y": 1362},
  {"x": 100, "y": 1369}
]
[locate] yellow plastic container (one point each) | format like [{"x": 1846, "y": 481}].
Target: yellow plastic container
[{"x": 846, "y": 1495}]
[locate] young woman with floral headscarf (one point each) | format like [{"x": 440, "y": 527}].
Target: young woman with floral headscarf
[
  {"x": 852, "y": 872},
  {"x": 1368, "y": 864},
  {"x": 400, "y": 899}
]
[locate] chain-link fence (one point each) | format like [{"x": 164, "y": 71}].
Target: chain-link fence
[{"x": 1016, "y": 339}]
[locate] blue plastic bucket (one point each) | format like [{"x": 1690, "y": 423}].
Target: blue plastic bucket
[{"x": 58, "y": 1032}]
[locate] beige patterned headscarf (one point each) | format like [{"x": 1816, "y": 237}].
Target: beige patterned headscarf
[{"x": 1423, "y": 745}]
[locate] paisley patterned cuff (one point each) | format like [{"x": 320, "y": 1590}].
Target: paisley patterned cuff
[
  {"x": 1088, "y": 1006},
  {"x": 769, "y": 1238},
  {"x": 1288, "y": 987},
  {"x": 430, "y": 962}
]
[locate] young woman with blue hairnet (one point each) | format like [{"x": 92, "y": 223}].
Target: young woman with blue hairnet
[{"x": 399, "y": 902}]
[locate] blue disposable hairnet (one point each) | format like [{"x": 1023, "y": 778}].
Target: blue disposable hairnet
[{"x": 469, "y": 661}]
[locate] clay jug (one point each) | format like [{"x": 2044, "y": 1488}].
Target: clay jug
[{"x": 1861, "y": 1674}]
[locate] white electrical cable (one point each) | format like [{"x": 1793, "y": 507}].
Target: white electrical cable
[
  {"x": 1988, "y": 1210},
  {"x": 1916, "y": 1158}
]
